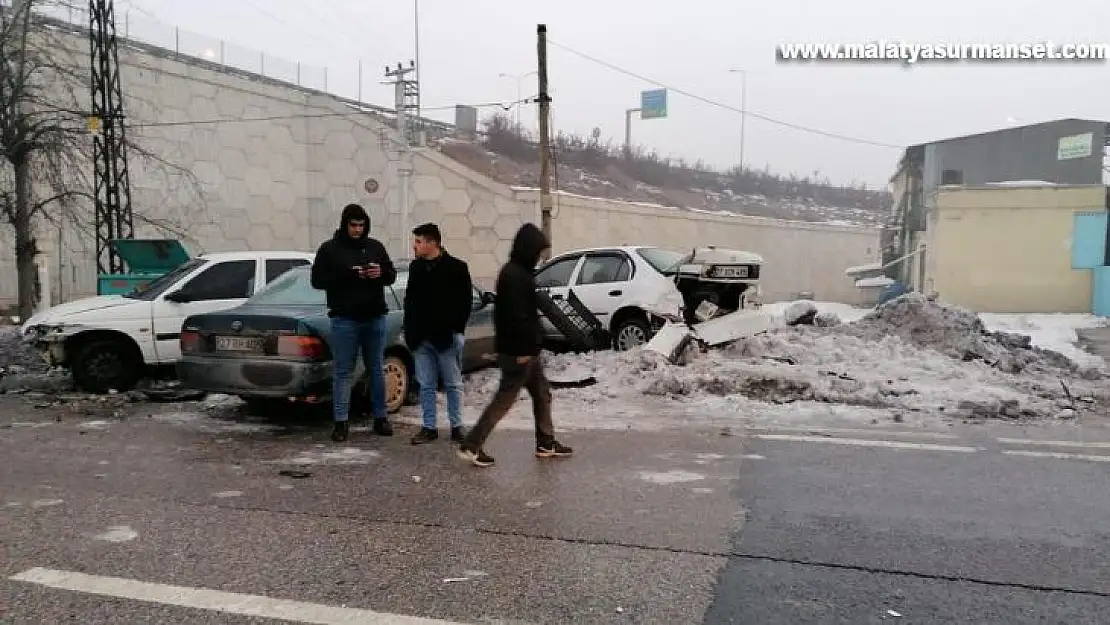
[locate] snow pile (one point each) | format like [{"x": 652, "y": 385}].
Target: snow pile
[
  {"x": 957, "y": 333},
  {"x": 1057, "y": 332},
  {"x": 911, "y": 355}
]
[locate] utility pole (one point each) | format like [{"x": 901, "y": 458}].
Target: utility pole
[
  {"x": 111, "y": 179},
  {"x": 544, "y": 100},
  {"x": 407, "y": 98}
]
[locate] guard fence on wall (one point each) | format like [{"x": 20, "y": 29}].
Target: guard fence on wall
[{"x": 352, "y": 82}]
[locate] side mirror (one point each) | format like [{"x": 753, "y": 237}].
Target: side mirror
[{"x": 179, "y": 297}]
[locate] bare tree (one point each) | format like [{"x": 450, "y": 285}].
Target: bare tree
[{"x": 44, "y": 134}]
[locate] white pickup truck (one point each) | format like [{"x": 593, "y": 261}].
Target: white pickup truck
[{"x": 107, "y": 342}]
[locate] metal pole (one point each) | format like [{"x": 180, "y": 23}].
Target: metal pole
[
  {"x": 519, "y": 91},
  {"x": 628, "y": 131},
  {"x": 360, "y": 81},
  {"x": 743, "y": 109},
  {"x": 743, "y": 113},
  {"x": 416, "y": 45},
  {"x": 177, "y": 39},
  {"x": 545, "y": 135}
]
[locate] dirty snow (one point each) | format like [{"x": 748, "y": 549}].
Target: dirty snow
[{"x": 911, "y": 361}]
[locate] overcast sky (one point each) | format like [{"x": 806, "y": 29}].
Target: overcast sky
[{"x": 689, "y": 45}]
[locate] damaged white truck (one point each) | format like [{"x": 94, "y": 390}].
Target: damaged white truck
[{"x": 621, "y": 296}]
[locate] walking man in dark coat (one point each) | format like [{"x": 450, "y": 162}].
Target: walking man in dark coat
[
  {"x": 519, "y": 340},
  {"x": 438, "y": 301},
  {"x": 354, "y": 270}
]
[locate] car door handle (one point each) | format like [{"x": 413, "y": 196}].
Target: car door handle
[{"x": 616, "y": 293}]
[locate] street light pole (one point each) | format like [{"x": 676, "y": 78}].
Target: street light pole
[
  {"x": 743, "y": 109},
  {"x": 519, "y": 91}
]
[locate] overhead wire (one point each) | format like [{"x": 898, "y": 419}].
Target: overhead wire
[{"x": 722, "y": 105}]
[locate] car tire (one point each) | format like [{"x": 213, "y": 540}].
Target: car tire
[
  {"x": 397, "y": 382},
  {"x": 106, "y": 364},
  {"x": 630, "y": 333}
]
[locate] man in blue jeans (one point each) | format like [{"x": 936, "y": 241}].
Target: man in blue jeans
[
  {"x": 438, "y": 302},
  {"x": 354, "y": 270}
]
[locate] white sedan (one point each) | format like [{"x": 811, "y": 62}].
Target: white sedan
[{"x": 634, "y": 290}]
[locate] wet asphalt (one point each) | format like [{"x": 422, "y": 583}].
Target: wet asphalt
[{"x": 679, "y": 527}]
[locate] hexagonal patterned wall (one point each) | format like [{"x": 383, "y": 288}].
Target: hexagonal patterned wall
[{"x": 277, "y": 172}]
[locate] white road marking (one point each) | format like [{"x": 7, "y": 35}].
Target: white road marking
[
  {"x": 860, "y": 442},
  {"x": 1029, "y": 441},
  {"x": 1054, "y": 454},
  {"x": 872, "y": 431},
  {"x": 215, "y": 600}
]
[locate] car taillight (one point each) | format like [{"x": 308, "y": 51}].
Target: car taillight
[
  {"x": 309, "y": 347},
  {"x": 191, "y": 341}
]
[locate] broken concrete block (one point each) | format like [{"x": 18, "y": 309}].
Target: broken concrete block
[
  {"x": 733, "y": 327},
  {"x": 706, "y": 311},
  {"x": 670, "y": 341},
  {"x": 800, "y": 313}
]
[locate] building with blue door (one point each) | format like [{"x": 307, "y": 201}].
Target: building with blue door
[{"x": 1036, "y": 188}]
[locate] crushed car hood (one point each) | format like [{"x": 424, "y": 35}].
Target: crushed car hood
[
  {"x": 722, "y": 256},
  {"x": 66, "y": 312}
]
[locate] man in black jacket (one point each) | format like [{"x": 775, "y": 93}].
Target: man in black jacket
[
  {"x": 355, "y": 269},
  {"x": 519, "y": 340},
  {"x": 438, "y": 301}
]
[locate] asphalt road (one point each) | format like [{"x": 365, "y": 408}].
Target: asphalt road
[{"x": 159, "y": 513}]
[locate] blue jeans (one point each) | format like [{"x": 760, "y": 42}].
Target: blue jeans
[
  {"x": 347, "y": 337},
  {"x": 431, "y": 365}
]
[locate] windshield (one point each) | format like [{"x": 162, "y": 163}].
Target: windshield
[
  {"x": 663, "y": 261},
  {"x": 161, "y": 284},
  {"x": 294, "y": 288}
]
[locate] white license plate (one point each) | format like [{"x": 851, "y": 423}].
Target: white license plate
[
  {"x": 733, "y": 272},
  {"x": 238, "y": 344}
]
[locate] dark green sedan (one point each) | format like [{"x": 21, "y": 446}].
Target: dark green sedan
[{"x": 275, "y": 346}]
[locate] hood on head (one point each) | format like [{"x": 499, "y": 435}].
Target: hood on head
[
  {"x": 353, "y": 212},
  {"x": 528, "y": 245}
]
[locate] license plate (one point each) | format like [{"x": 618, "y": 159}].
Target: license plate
[
  {"x": 238, "y": 344},
  {"x": 740, "y": 271}
]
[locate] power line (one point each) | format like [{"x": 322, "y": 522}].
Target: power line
[{"x": 705, "y": 100}]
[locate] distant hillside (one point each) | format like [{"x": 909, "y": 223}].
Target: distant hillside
[{"x": 590, "y": 167}]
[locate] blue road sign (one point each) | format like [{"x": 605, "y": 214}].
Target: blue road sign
[{"x": 653, "y": 104}]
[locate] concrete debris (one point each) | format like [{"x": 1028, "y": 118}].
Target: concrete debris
[
  {"x": 670, "y": 342},
  {"x": 826, "y": 320},
  {"x": 732, "y": 327},
  {"x": 800, "y": 313},
  {"x": 16, "y": 356}
]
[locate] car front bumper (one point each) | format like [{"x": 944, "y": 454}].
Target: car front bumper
[{"x": 255, "y": 377}]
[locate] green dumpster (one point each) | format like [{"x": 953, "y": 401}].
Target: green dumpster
[{"x": 146, "y": 260}]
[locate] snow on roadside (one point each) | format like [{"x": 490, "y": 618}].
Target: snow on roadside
[
  {"x": 906, "y": 360},
  {"x": 1050, "y": 331}
]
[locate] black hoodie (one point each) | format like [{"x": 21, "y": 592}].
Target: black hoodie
[
  {"x": 334, "y": 270},
  {"x": 515, "y": 315}
]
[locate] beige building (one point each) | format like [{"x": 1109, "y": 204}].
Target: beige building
[{"x": 1006, "y": 247}]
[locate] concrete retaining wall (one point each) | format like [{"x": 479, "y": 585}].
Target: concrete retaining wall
[{"x": 230, "y": 183}]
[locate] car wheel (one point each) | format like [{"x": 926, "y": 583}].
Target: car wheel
[
  {"x": 396, "y": 383},
  {"x": 103, "y": 365},
  {"x": 632, "y": 332}
]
